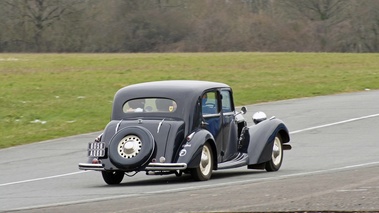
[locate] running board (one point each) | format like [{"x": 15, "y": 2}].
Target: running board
[{"x": 240, "y": 160}]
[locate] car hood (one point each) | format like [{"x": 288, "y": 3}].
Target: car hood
[{"x": 168, "y": 134}]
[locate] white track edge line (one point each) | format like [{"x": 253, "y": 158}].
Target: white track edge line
[
  {"x": 43, "y": 178},
  {"x": 335, "y": 123}
]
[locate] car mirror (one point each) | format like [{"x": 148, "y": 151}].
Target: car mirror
[{"x": 243, "y": 110}]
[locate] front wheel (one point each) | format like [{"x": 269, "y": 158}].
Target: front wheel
[
  {"x": 204, "y": 170},
  {"x": 277, "y": 155},
  {"x": 113, "y": 177}
]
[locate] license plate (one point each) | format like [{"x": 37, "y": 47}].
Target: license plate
[{"x": 96, "y": 149}]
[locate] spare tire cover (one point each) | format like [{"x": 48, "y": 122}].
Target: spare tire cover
[{"x": 131, "y": 147}]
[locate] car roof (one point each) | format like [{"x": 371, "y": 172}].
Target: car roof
[
  {"x": 174, "y": 89},
  {"x": 184, "y": 92},
  {"x": 178, "y": 86}
]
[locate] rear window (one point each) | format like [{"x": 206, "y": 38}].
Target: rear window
[{"x": 150, "y": 105}]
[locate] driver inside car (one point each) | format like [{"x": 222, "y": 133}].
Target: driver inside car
[
  {"x": 209, "y": 106},
  {"x": 136, "y": 105},
  {"x": 207, "y": 109}
]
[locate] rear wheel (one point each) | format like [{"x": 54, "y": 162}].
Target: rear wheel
[
  {"x": 277, "y": 155},
  {"x": 205, "y": 168},
  {"x": 112, "y": 177}
]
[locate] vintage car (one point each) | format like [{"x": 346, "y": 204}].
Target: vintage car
[{"x": 183, "y": 126}]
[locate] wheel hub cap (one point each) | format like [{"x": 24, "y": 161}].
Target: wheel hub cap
[
  {"x": 205, "y": 166},
  {"x": 277, "y": 152},
  {"x": 204, "y": 160},
  {"x": 129, "y": 146}
]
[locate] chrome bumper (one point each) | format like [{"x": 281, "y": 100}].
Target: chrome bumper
[
  {"x": 150, "y": 167},
  {"x": 91, "y": 166},
  {"x": 166, "y": 166}
]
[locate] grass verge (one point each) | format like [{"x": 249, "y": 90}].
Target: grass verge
[{"x": 45, "y": 96}]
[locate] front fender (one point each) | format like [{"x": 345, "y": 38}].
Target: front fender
[
  {"x": 190, "y": 153},
  {"x": 261, "y": 139}
]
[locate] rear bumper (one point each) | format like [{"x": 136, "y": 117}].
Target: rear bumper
[
  {"x": 91, "y": 166},
  {"x": 149, "y": 167},
  {"x": 166, "y": 166}
]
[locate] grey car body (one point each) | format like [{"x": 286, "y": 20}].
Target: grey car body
[{"x": 200, "y": 131}]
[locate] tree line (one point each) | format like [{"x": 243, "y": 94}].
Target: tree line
[{"x": 189, "y": 25}]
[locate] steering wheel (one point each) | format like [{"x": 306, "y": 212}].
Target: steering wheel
[{"x": 210, "y": 105}]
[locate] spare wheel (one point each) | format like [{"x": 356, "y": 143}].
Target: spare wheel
[{"x": 131, "y": 148}]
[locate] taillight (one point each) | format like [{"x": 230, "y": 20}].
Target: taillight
[{"x": 95, "y": 161}]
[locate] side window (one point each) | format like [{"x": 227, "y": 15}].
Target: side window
[
  {"x": 209, "y": 103},
  {"x": 226, "y": 101}
]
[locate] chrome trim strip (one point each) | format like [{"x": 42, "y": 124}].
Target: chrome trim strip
[
  {"x": 159, "y": 125},
  {"x": 118, "y": 126},
  {"x": 229, "y": 113},
  {"x": 166, "y": 166},
  {"x": 211, "y": 115},
  {"x": 91, "y": 166}
]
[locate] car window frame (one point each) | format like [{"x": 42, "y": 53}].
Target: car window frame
[{"x": 217, "y": 103}]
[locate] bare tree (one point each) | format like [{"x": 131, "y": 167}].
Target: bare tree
[
  {"x": 33, "y": 17},
  {"x": 258, "y": 6},
  {"x": 189, "y": 25},
  {"x": 363, "y": 30},
  {"x": 322, "y": 16}
]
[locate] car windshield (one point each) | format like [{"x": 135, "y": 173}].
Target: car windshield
[{"x": 150, "y": 105}]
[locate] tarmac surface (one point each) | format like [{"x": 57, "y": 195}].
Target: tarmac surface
[{"x": 333, "y": 167}]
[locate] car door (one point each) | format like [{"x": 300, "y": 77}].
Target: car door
[
  {"x": 229, "y": 127},
  {"x": 210, "y": 107}
]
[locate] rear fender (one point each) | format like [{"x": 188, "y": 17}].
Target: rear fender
[
  {"x": 190, "y": 152},
  {"x": 261, "y": 139}
]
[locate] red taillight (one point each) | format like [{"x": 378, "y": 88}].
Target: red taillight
[{"x": 95, "y": 161}]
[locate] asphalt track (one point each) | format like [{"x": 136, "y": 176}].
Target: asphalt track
[{"x": 334, "y": 165}]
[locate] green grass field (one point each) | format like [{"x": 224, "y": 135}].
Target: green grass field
[{"x": 45, "y": 96}]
